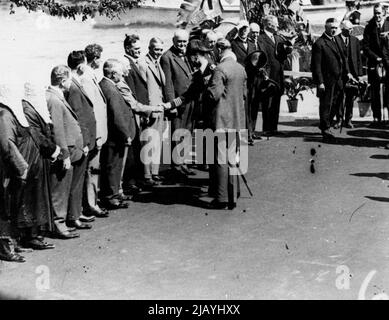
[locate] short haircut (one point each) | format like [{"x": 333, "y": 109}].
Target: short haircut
[
  {"x": 155, "y": 40},
  {"x": 59, "y": 73},
  {"x": 93, "y": 51},
  {"x": 223, "y": 44},
  {"x": 331, "y": 20},
  {"x": 181, "y": 33},
  {"x": 130, "y": 40},
  {"x": 268, "y": 19},
  {"x": 377, "y": 5},
  {"x": 75, "y": 58},
  {"x": 112, "y": 65}
]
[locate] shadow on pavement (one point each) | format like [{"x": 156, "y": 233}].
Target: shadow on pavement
[
  {"x": 380, "y": 156},
  {"x": 381, "y": 134},
  {"x": 354, "y": 142},
  {"x": 380, "y": 199},
  {"x": 380, "y": 175}
]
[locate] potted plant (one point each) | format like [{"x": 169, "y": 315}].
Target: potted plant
[{"x": 293, "y": 88}]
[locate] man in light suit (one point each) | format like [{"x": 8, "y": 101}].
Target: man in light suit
[
  {"x": 83, "y": 107},
  {"x": 178, "y": 74},
  {"x": 68, "y": 136},
  {"x": 121, "y": 132},
  {"x": 227, "y": 92},
  {"x": 91, "y": 86},
  {"x": 154, "y": 129}
]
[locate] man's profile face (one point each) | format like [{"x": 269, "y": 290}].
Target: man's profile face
[
  {"x": 65, "y": 84},
  {"x": 243, "y": 32},
  {"x": 378, "y": 14},
  {"x": 181, "y": 42},
  {"x": 135, "y": 50},
  {"x": 96, "y": 62},
  {"x": 346, "y": 32},
  {"x": 254, "y": 34},
  {"x": 156, "y": 50},
  {"x": 210, "y": 41},
  {"x": 331, "y": 28}
]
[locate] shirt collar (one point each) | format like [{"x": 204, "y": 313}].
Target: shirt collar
[
  {"x": 57, "y": 90},
  {"x": 110, "y": 80},
  {"x": 132, "y": 58},
  {"x": 269, "y": 34},
  {"x": 328, "y": 37}
]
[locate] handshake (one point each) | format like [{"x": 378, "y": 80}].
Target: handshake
[{"x": 168, "y": 105}]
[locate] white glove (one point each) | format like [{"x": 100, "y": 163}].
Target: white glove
[{"x": 66, "y": 163}]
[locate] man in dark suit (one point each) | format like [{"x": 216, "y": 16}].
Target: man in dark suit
[
  {"x": 372, "y": 48},
  {"x": 276, "y": 50},
  {"x": 178, "y": 74},
  {"x": 329, "y": 69},
  {"x": 121, "y": 132},
  {"x": 210, "y": 39},
  {"x": 83, "y": 108},
  {"x": 241, "y": 45},
  {"x": 351, "y": 49},
  {"x": 137, "y": 81}
]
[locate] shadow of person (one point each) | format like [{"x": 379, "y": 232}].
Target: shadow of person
[
  {"x": 369, "y": 133},
  {"x": 379, "y": 175},
  {"x": 354, "y": 142},
  {"x": 380, "y": 156},
  {"x": 380, "y": 199}
]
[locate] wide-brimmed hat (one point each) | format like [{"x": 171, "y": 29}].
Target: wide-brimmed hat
[
  {"x": 197, "y": 45},
  {"x": 262, "y": 59}
]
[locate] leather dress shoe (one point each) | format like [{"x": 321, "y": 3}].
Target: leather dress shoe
[
  {"x": 99, "y": 213},
  {"x": 157, "y": 178},
  {"x": 132, "y": 189},
  {"x": 149, "y": 183},
  {"x": 327, "y": 135},
  {"x": 217, "y": 205},
  {"x": 66, "y": 235},
  {"x": 187, "y": 171},
  {"x": 12, "y": 257},
  {"x": 115, "y": 205},
  {"x": 79, "y": 225},
  {"x": 251, "y": 142},
  {"x": 87, "y": 218},
  {"x": 36, "y": 244},
  {"x": 122, "y": 197},
  {"x": 256, "y": 136}
]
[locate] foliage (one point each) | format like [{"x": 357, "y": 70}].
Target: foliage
[
  {"x": 294, "y": 86},
  {"x": 85, "y": 9}
]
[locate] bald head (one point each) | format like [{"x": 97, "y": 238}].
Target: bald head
[
  {"x": 113, "y": 69},
  {"x": 180, "y": 40},
  {"x": 254, "y": 31}
]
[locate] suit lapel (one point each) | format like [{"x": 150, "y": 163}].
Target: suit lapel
[
  {"x": 78, "y": 85},
  {"x": 157, "y": 74},
  {"x": 63, "y": 100},
  {"x": 268, "y": 40},
  {"x": 182, "y": 64},
  {"x": 332, "y": 45}
]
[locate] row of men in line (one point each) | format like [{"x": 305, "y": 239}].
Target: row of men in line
[
  {"x": 337, "y": 70},
  {"x": 54, "y": 150}
]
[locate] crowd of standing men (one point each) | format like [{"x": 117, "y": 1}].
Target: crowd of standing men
[
  {"x": 72, "y": 152},
  {"x": 86, "y": 145}
]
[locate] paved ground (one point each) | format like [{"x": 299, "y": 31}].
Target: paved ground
[{"x": 304, "y": 235}]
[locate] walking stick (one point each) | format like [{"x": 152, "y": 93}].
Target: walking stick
[
  {"x": 244, "y": 180},
  {"x": 124, "y": 165}
]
